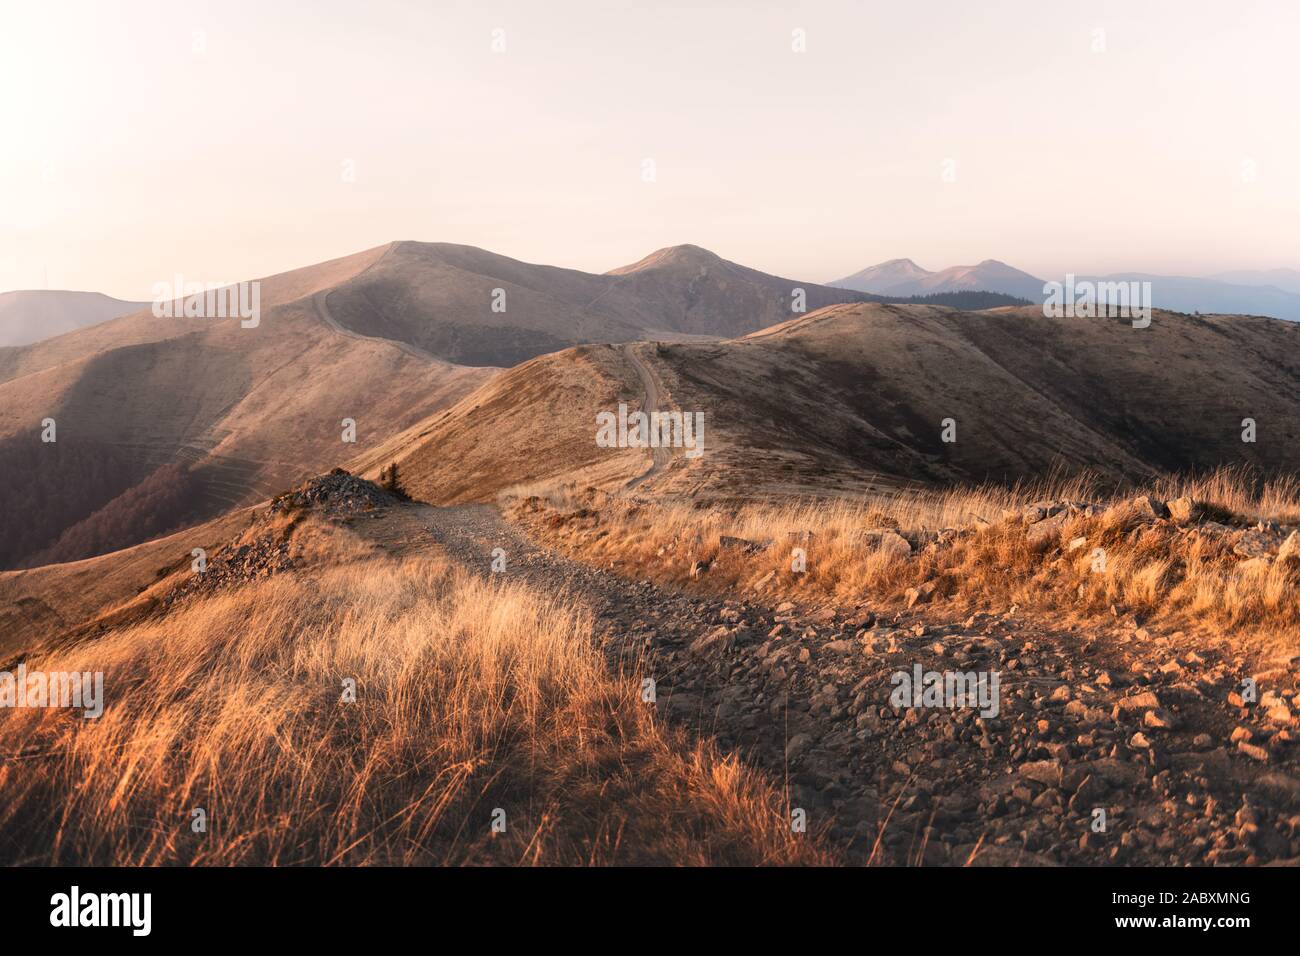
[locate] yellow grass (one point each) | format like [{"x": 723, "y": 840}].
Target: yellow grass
[
  {"x": 1157, "y": 571},
  {"x": 469, "y": 697},
  {"x": 1237, "y": 490}
]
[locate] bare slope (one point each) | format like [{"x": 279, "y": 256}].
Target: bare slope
[
  {"x": 535, "y": 422},
  {"x": 856, "y": 394}
]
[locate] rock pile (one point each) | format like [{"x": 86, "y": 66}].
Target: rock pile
[
  {"x": 236, "y": 564},
  {"x": 338, "y": 494},
  {"x": 265, "y": 549}
]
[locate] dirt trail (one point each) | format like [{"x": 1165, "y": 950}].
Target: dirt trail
[
  {"x": 805, "y": 697},
  {"x": 660, "y": 457},
  {"x": 320, "y": 302}
]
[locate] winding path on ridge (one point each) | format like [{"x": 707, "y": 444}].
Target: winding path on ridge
[{"x": 660, "y": 457}]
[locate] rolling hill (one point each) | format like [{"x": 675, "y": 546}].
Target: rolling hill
[
  {"x": 37, "y": 314},
  {"x": 1190, "y": 294},
  {"x": 162, "y": 422},
  {"x": 856, "y": 395}
]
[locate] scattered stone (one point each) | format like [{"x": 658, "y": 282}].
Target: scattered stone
[
  {"x": 1040, "y": 510},
  {"x": 1279, "y": 714},
  {"x": 1149, "y": 508},
  {"x": 715, "y": 641},
  {"x": 887, "y": 541},
  {"x": 1046, "y": 531},
  {"x": 797, "y": 746},
  {"x": 1046, "y": 772},
  {"x": 921, "y": 594},
  {"x": 743, "y": 545},
  {"x": 1186, "y": 510},
  {"x": 1147, "y": 700},
  {"x": 1159, "y": 720},
  {"x": 1252, "y": 544},
  {"x": 1098, "y": 714},
  {"x": 1253, "y": 751}
]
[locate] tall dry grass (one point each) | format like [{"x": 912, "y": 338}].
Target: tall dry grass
[
  {"x": 1186, "y": 580},
  {"x": 470, "y": 697},
  {"x": 1240, "y": 491}
]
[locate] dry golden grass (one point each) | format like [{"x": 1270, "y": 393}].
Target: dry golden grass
[
  {"x": 470, "y": 697},
  {"x": 1185, "y": 580},
  {"x": 1238, "y": 491}
]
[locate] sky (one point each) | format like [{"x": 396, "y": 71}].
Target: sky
[{"x": 232, "y": 140}]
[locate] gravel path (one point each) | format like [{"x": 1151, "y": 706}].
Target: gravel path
[
  {"x": 805, "y": 697},
  {"x": 660, "y": 457}
]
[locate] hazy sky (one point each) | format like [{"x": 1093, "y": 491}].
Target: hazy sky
[{"x": 146, "y": 138}]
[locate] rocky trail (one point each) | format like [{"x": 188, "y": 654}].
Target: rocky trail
[{"x": 1107, "y": 747}]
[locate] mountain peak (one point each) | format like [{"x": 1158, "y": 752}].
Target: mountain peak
[
  {"x": 883, "y": 276},
  {"x": 669, "y": 256}
]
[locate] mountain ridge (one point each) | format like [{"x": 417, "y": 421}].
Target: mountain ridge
[
  {"x": 1187, "y": 294},
  {"x": 855, "y": 397}
]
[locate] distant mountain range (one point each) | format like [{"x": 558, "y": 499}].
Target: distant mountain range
[
  {"x": 673, "y": 292},
  {"x": 164, "y": 422},
  {"x": 1274, "y": 293},
  {"x": 695, "y": 293},
  {"x": 1288, "y": 280},
  {"x": 902, "y": 277}
]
